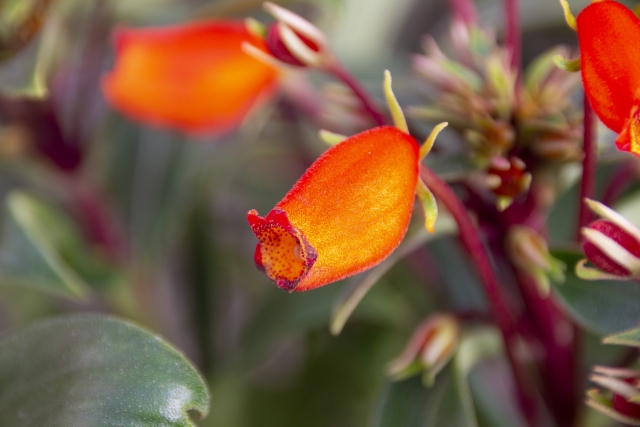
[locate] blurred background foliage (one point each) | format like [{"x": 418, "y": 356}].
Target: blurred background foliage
[{"x": 102, "y": 215}]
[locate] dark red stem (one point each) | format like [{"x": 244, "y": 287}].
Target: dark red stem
[
  {"x": 513, "y": 37},
  {"x": 558, "y": 366},
  {"x": 99, "y": 224},
  {"x": 470, "y": 238},
  {"x": 464, "y": 10},
  {"x": 587, "y": 185},
  {"x": 368, "y": 102}
]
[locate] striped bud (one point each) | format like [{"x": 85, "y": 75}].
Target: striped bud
[{"x": 612, "y": 244}]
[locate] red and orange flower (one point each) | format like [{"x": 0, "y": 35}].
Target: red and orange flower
[
  {"x": 609, "y": 38},
  {"x": 347, "y": 213},
  {"x": 192, "y": 77}
]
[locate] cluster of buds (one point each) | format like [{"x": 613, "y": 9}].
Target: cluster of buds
[
  {"x": 429, "y": 349},
  {"x": 529, "y": 252},
  {"x": 621, "y": 398},
  {"x": 612, "y": 243},
  {"x": 481, "y": 96}
]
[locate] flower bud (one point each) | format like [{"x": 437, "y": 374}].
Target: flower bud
[
  {"x": 511, "y": 176},
  {"x": 612, "y": 244},
  {"x": 621, "y": 396},
  {"x": 528, "y": 251},
  {"x": 507, "y": 179},
  {"x": 429, "y": 349},
  {"x": 279, "y": 50},
  {"x": 294, "y": 40}
]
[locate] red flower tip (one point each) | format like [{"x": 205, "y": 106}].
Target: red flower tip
[
  {"x": 283, "y": 253},
  {"x": 347, "y": 213},
  {"x": 193, "y": 77},
  {"x": 609, "y": 38}
]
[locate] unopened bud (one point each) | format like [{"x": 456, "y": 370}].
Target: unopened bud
[
  {"x": 612, "y": 244},
  {"x": 280, "y": 51},
  {"x": 621, "y": 395},
  {"x": 429, "y": 349},
  {"x": 529, "y": 251},
  {"x": 507, "y": 179},
  {"x": 624, "y": 406},
  {"x": 294, "y": 40}
]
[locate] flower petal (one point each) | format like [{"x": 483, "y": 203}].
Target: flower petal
[
  {"x": 608, "y": 33},
  {"x": 352, "y": 206},
  {"x": 192, "y": 77}
]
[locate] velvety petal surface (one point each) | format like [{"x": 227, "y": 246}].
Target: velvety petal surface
[{"x": 350, "y": 209}]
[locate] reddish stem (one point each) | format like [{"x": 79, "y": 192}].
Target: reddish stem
[
  {"x": 99, "y": 224},
  {"x": 514, "y": 37},
  {"x": 588, "y": 182},
  {"x": 471, "y": 240},
  {"x": 558, "y": 366},
  {"x": 464, "y": 10},
  {"x": 368, "y": 102}
]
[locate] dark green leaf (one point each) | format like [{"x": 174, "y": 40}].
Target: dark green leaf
[
  {"x": 449, "y": 402},
  {"x": 410, "y": 404},
  {"x": 81, "y": 371},
  {"x": 404, "y": 403},
  {"x": 603, "y": 306}
]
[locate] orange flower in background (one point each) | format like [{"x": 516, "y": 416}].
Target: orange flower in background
[
  {"x": 609, "y": 38},
  {"x": 193, "y": 77},
  {"x": 347, "y": 213}
]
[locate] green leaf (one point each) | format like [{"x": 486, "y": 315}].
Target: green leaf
[
  {"x": 95, "y": 371},
  {"x": 28, "y": 47},
  {"x": 405, "y": 403},
  {"x": 15, "y": 82},
  {"x": 37, "y": 243},
  {"x": 410, "y": 404},
  {"x": 603, "y": 306},
  {"x": 629, "y": 338},
  {"x": 353, "y": 294},
  {"x": 449, "y": 402}
]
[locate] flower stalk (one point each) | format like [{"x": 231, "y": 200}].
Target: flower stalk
[
  {"x": 513, "y": 36},
  {"x": 587, "y": 185},
  {"x": 470, "y": 238}
]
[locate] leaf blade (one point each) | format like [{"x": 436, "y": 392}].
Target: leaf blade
[{"x": 95, "y": 370}]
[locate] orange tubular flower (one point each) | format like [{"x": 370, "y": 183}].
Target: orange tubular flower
[
  {"x": 609, "y": 37},
  {"x": 192, "y": 77},
  {"x": 347, "y": 213}
]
